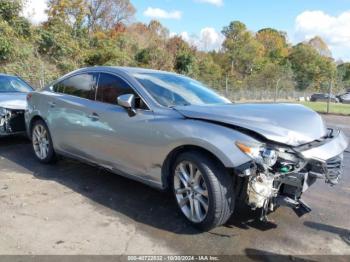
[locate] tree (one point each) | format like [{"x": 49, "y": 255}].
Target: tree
[
  {"x": 80, "y": 33},
  {"x": 273, "y": 77},
  {"x": 154, "y": 57},
  {"x": 242, "y": 48},
  {"x": 6, "y": 47},
  {"x": 275, "y": 44},
  {"x": 320, "y": 46},
  {"x": 10, "y": 9},
  {"x": 106, "y": 14},
  {"x": 184, "y": 62},
  {"x": 343, "y": 71},
  {"x": 208, "y": 71},
  {"x": 10, "y": 12},
  {"x": 158, "y": 30},
  {"x": 71, "y": 13},
  {"x": 310, "y": 68}
]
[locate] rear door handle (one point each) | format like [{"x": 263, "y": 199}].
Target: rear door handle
[
  {"x": 52, "y": 104},
  {"x": 94, "y": 117}
]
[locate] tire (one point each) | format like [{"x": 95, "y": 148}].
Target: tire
[
  {"x": 217, "y": 192},
  {"x": 45, "y": 139}
]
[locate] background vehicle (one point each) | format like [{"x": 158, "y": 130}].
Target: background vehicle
[
  {"x": 13, "y": 92},
  {"x": 171, "y": 132},
  {"x": 323, "y": 98},
  {"x": 345, "y": 99}
]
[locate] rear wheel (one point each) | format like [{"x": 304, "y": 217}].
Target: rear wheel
[
  {"x": 42, "y": 143},
  {"x": 203, "y": 190}
]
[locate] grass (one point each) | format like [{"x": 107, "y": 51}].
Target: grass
[{"x": 321, "y": 107}]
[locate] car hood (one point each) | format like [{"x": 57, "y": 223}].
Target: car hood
[
  {"x": 288, "y": 124},
  {"x": 13, "y": 100}
]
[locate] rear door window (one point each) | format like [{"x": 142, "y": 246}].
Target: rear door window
[{"x": 83, "y": 85}]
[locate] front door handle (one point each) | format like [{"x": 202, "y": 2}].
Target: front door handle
[
  {"x": 52, "y": 104},
  {"x": 94, "y": 117}
]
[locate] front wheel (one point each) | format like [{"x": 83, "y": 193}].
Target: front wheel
[
  {"x": 203, "y": 190},
  {"x": 42, "y": 142}
]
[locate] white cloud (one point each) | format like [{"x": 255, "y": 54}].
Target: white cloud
[
  {"x": 34, "y": 10},
  {"x": 208, "y": 39},
  {"x": 334, "y": 30},
  {"x": 213, "y": 2},
  {"x": 160, "y": 13}
]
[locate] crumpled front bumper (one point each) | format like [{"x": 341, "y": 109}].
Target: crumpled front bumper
[
  {"x": 270, "y": 188},
  {"x": 326, "y": 158},
  {"x": 331, "y": 147},
  {"x": 11, "y": 122}
]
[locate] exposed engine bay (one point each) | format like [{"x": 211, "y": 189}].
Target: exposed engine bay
[
  {"x": 11, "y": 122},
  {"x": 279, "y": 175}
]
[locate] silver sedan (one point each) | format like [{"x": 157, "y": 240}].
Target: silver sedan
[{"x": 173, "y": 132}]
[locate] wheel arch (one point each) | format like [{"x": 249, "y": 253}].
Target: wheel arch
[
  {"x": 32, "y": 121},
  {"x": 171, "y": 157}
]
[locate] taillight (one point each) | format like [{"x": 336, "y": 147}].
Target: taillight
[{"x": 29, "y": 96}]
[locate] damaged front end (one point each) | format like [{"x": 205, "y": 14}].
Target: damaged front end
[
  {"x": 278, "y": 175},
  {"x": 11, "y": 122}
]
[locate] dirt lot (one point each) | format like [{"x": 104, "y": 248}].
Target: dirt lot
[{"x": 72, "y": 208}]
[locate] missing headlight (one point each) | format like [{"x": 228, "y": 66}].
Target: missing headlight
[{"x": 11, "y": 121}]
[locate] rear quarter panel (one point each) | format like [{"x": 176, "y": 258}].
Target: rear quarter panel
[{"x": 38, "y": 106}]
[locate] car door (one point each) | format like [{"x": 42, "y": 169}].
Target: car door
[
  {"x": 70, "y": 121},
  {"x": 120, "y": 141}
]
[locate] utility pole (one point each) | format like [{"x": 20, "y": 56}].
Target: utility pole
[
  {"x": 232, "y": 69},
  {"x": 42, "y": 84},
  {"x": 329, "y": 95},
  {"x": 276, "y": 90}
]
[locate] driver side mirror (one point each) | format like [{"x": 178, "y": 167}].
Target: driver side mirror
[{"x": 128, "y": 102}]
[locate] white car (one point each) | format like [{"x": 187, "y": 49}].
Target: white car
[{"x": 13, "y": 93}]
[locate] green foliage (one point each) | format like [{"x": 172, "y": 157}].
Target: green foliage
[
  {"x": 245, "y": 52},
  {"x": 153, "y": 57},
  {"x": 310, "y": 68},
  {"x": 10, "y": 9},
  {"x": 275, "y": 44},
  {"x": 82, "y": 33},
  {"x": 344, "y": 73},
  {"x": 209, "y": 72},
  {"x": 105, "y": 53},
  {"x": 6, "y": 38},
  {"x": 22, "y": 27},
  {"x": 5, "y": 48},
  {"x": 184, "y": 62}
]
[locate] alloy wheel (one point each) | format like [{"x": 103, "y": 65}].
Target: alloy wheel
[
  {"x": 41, "y": 142},
  {"x": 191, "y": 191}
]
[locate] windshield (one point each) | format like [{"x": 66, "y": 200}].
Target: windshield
[
  {"x": 173, "y": 90},
  {"x": 12, "y": 84}
]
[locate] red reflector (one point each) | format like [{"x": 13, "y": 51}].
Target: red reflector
[{"x": 29, "y": 96}]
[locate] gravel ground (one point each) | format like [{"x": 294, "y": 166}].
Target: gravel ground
[{"x": 72, "y": 208}]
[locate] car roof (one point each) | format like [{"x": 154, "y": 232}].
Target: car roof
[
  {"x": 127, "y": 70},
  {"x": 1, "y": 74},
  {"x": 134, "y": 70}
]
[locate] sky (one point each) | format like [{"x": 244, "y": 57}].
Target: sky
[{"x": 200, "y": 21}]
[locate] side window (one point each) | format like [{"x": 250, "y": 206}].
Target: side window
[
  {"x": 83, "y": 86},
  {"x": 110, "y": 87},
  {"x": 58, "y": 88}
]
